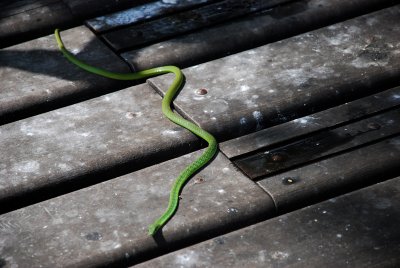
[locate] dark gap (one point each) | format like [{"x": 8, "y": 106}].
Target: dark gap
[
  {"x": 106, "y": 7},
  {"x": 176, "y": 245},
  {"x": 64, "y": 101},
  {"x": 374, "y": 178},
  {"x": 317, "y": 105},
  {"x": 6, "y": 11},
  {"x": 275, "y": 11},
  {"x": 312, "y": 133},
  {"x": 116, "y": 28},
  {"x": 239, "y": 224},
  {"x": 198, "y": 28},
  {"x": 93, "y": 177},
  {"x": 14, "y": 38},
  {"x": 322, "y": 158}
]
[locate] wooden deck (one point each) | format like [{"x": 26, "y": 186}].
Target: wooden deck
[{"x": 303, "y": 97}]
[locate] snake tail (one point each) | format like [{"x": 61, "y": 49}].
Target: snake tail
[{"x": 191, "y": 169}]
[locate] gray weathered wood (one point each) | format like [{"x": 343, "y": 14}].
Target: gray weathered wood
[
  {"x": 9, "y": 8},
  {"x": 289, "y": 79},
  {"x": 322, "y": 144},
  {"x": 141, "y": 13},
  {"x": 24, "y": 20},
  {"x": 309, "y": 124},
  {"x": 91, "y": 8},
  {"x": 249, "y": 32},
  {"x": 332, "y": 176},
  {"x": 36, "y": 77},
  {"x": 107, "y": 223},
  {"x": 359, "y": 229},
  {"x": 187, "y": 21},
  {"x": 86, "y": 143}
]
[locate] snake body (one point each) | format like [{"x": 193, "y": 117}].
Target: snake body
[{"x": 207, "y": 155}]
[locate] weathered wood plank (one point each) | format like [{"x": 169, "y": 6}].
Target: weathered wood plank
[
  {"x": 289, "y": 79},
  {"x": 37, "y": 78},
  {"x": 9, "y": 8},
  {"x": 107, "y": 223},
  {"x": 149, "y": 32},
  {"x": 322, "y": 144},
  {"x": 249, "y": 32},
  {"x": 141, "y": 13},
  {"x": 328, "y": 178},
  {"x": 86, "y": 143},
  {"x": 90, "y": 8},
  {"x": 359, "y": 229},
  {"x": 309, "y": 124},
  {"x": 24, "y": 20}
]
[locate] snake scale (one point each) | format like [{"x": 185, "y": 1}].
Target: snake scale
[{"x": 191, "y": 169}]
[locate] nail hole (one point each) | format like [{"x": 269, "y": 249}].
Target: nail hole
[
  {"x": 131, "y": 115},
  {"x": 289, "y": 180},
  {"x": 374, "y": 126},
  {"x": 201, "y": 91},
  {"x": 277, "y": 158},
  {"x": 199, "y": 180}
]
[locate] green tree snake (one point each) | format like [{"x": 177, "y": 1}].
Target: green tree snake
[{"x": 191, "y": 169}]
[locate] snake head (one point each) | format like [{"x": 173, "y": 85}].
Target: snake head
[{"x": 153, "y": 228}]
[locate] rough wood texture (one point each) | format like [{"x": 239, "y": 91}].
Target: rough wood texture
[
  {"x": 123, "y": 141},
  {"x": 9, "y": 8},
  {"x": 252, "y": 31},
  {"x": 86, "y": 143},
  {"x": 141, "y": 13},
  {"x": 289, "y": 79},
  {"x": 36, "y": 77},
  {"x": 309, "y": 124},
  {"x": 24, "y": 20},
  {"x": 28, "y": 19},
  {"x": 107, "y": 223},
  {"x": 359, "y": 229},
  {"x": 149, "y": 32},
  {"x": 335, "y": 175},
  {"x": 90, "y": 8},
  {"x": 322, "y": 144}
]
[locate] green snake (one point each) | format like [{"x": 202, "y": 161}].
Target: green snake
[{"x": 191, "y": 169}]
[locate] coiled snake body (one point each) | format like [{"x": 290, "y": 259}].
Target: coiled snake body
[{"x": 207, "y": 155}]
